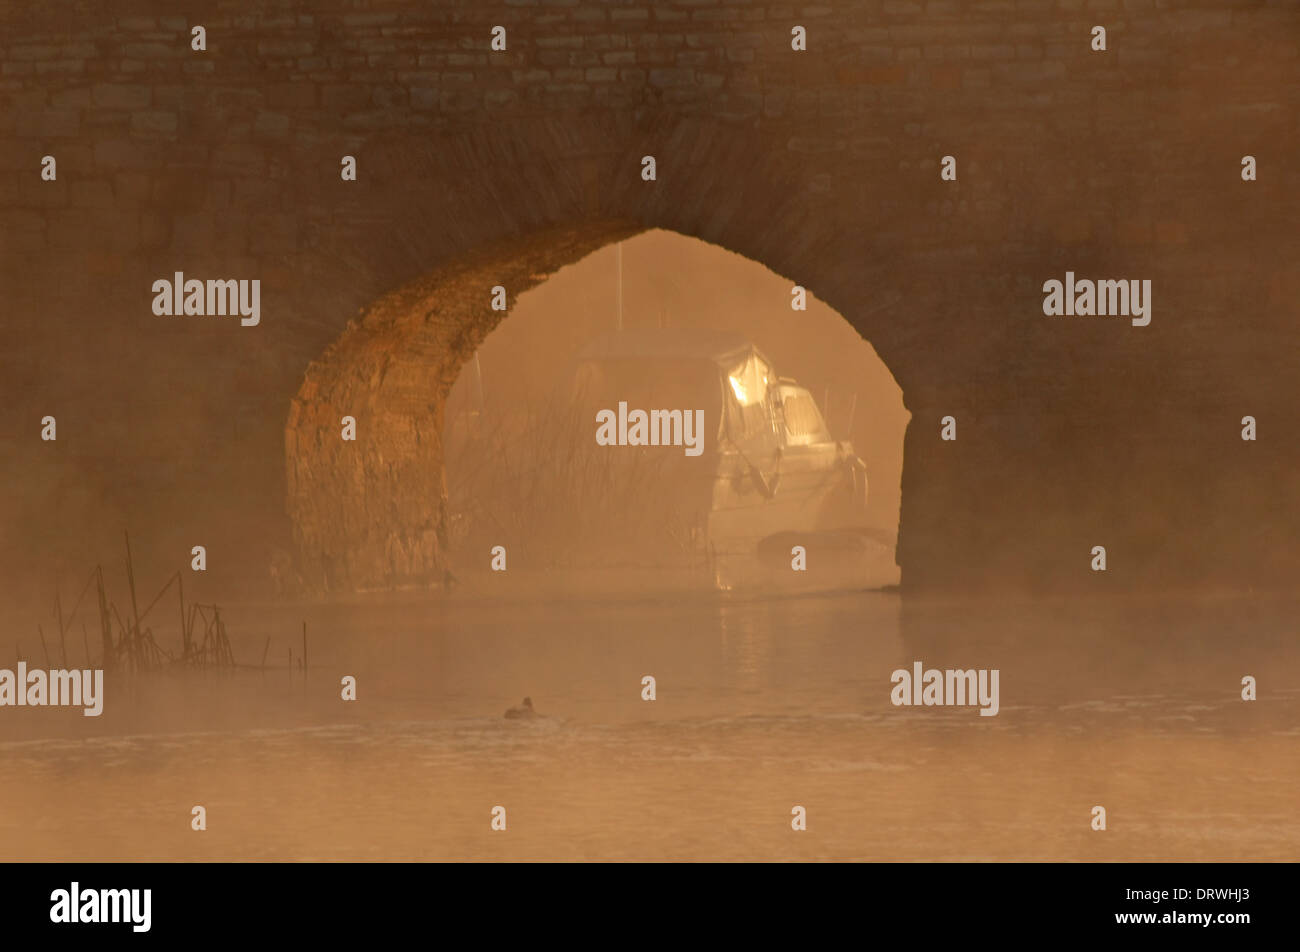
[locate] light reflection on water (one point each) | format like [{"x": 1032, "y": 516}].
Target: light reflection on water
[{"x": 762, "y": 704}]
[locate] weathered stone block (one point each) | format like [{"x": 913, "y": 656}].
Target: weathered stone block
[{"x": 121, "y": 95}]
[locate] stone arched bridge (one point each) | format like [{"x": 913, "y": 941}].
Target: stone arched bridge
[{"x": 477, "y": 168}]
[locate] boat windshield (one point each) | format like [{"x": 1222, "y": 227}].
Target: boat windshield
[{"x": 804, "y": 425}]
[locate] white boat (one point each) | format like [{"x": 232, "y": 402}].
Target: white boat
[{"x": 769, "y": 477}]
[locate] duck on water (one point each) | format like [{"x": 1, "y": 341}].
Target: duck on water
[{"x": 524, "y": 710}]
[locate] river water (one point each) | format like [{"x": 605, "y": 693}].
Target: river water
[{"x": 763, "y": 704}]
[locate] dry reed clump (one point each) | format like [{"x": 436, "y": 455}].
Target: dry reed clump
[
  {"x": 535, "y": 481},
  {"x": 126, "y": 643}
]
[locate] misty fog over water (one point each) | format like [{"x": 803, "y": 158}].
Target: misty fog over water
[{"x": 762, "y": 704}]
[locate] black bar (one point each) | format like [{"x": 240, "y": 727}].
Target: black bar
[{"x": 472, "y": 903}]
